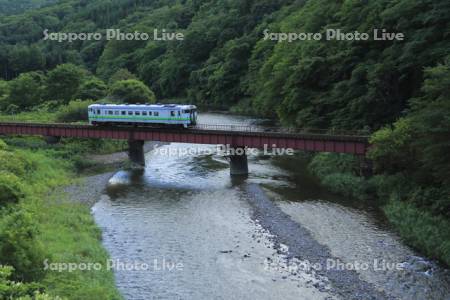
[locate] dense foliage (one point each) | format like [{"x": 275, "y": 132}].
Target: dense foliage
[
  {"x": 75, "y": 111},
  {"x": 131, "y": 91},
  {"x": 8, "y": 7},
  {"x": 34, "y": 226},
  {"x": 224, "y": 58},
  {"x": 398, "y": 89}
]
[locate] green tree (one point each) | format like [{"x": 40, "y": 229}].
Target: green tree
[
  {"x": 11, "y": 190},
  {"x": 132, "y": 91},
  {"x": 17, "y": 290},
  {"x": 26, "y": 90},
  {"x": 4, "y": 93},
  {"x": 15, "y": 163},
  {"x": 63, "y": 82},
  {"x": 19, "y": 247},
  {"x": 26, "y": 58},
  {"x": 75, "y": 111},
  {"x": 431, "y": 121},
  {"x": 121, "y": 74},
  {"x": 94, "y": 89},
  {"x": 392, "y": 151}
]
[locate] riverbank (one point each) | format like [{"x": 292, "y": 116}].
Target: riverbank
[
  {"x": 39, "y": 226},
  {"x": 91, "y": 185},
  {"x": 397, "y": 197}
]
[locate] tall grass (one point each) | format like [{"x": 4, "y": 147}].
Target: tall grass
[
  {"x": 426, "y": 232},
  {"x": 66, "y": 230},
  {"x": 339, "y": 174}
]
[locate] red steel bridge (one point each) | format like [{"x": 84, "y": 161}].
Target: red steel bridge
[{"x": 236, "y": 136}]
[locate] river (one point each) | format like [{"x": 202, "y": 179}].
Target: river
[{"x": 189, "y": 231}]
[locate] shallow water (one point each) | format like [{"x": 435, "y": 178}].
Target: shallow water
[{"x": 191, "y": 224}]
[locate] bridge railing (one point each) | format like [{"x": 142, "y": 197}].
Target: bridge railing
[{"x": 249, "y": 128}]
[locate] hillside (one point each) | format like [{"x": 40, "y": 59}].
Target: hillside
[
  {"x": 8, "y": 7},
  {"x": 224, "y": 59},
  {"x": 397, "y": 89}
]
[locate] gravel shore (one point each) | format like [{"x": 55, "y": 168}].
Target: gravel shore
[
  {"x": 302, "y": 245},
  {"x": 90, "y": 188}
]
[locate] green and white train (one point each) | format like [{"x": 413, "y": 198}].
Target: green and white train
[{"x": 138, "y": 114}]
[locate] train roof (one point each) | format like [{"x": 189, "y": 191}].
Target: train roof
[{"x": 144, "y": 106}]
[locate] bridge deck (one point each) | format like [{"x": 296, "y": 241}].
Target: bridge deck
[{"x": 233, "y": 135}]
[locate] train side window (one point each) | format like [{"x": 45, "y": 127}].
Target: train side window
[
  {"x": 137, "y": 113},
  {"x": 124, "y": 113},
  {"x": 98, "y": 112},
  {"x": 110, "y": 112},
  {"x": 156, "y": 113},
  {"x": 179, "y": 113},
  {"x": 172, "y": 114},
  {"x": 130, "y": 113},
  {"x": 116, "y": 112},
  {"x": 144, "y": 113}
]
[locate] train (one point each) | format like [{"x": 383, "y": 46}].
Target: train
[{"x": 173, "y": 115}]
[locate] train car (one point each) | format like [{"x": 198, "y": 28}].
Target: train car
[{"x": 138, "y": 114}]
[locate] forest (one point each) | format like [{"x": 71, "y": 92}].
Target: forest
[
  {"x": 397, "y": 90},
  {"x": 19, "y": 6}
]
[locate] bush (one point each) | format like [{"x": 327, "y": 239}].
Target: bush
[
  {"x": 26, "y": 90},
  {"x": 347, "y": 185},
  {"x": 13, "y": 290},
  {"x": 4, "y": 94},
  {"x": 392, "y": 151},
  {"x": 75, "y": 111},
  {"x": 327, "y": 163},
  {"x": 432, "y": 124},
  {"x": 93, "y": 89},
  {"x": 19, "y": 247},
  {"x": 132, "y": 91},
  {"x": 436, "y": 200},
  {"x": 11, "y": 189},
  {"x": 396, "y": 185},
  {"x": 3, "y": 145},
  {"x": 12, "y": 109},
  {"x": 14, "y": 163},
  {"x": 63, "y": 82},
  {"x": 339, "y": 173},
  {"x": 422, "y": 230},
  {"x": 121, "y": 74},
  {"x": 47, "y": 107}
]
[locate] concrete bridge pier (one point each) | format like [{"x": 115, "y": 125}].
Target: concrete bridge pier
[
  {"x": 238, "y": 162},
  {"x": 136, "y": 152}
]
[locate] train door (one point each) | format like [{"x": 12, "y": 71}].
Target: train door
[{"x": 193, "y": 117}]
